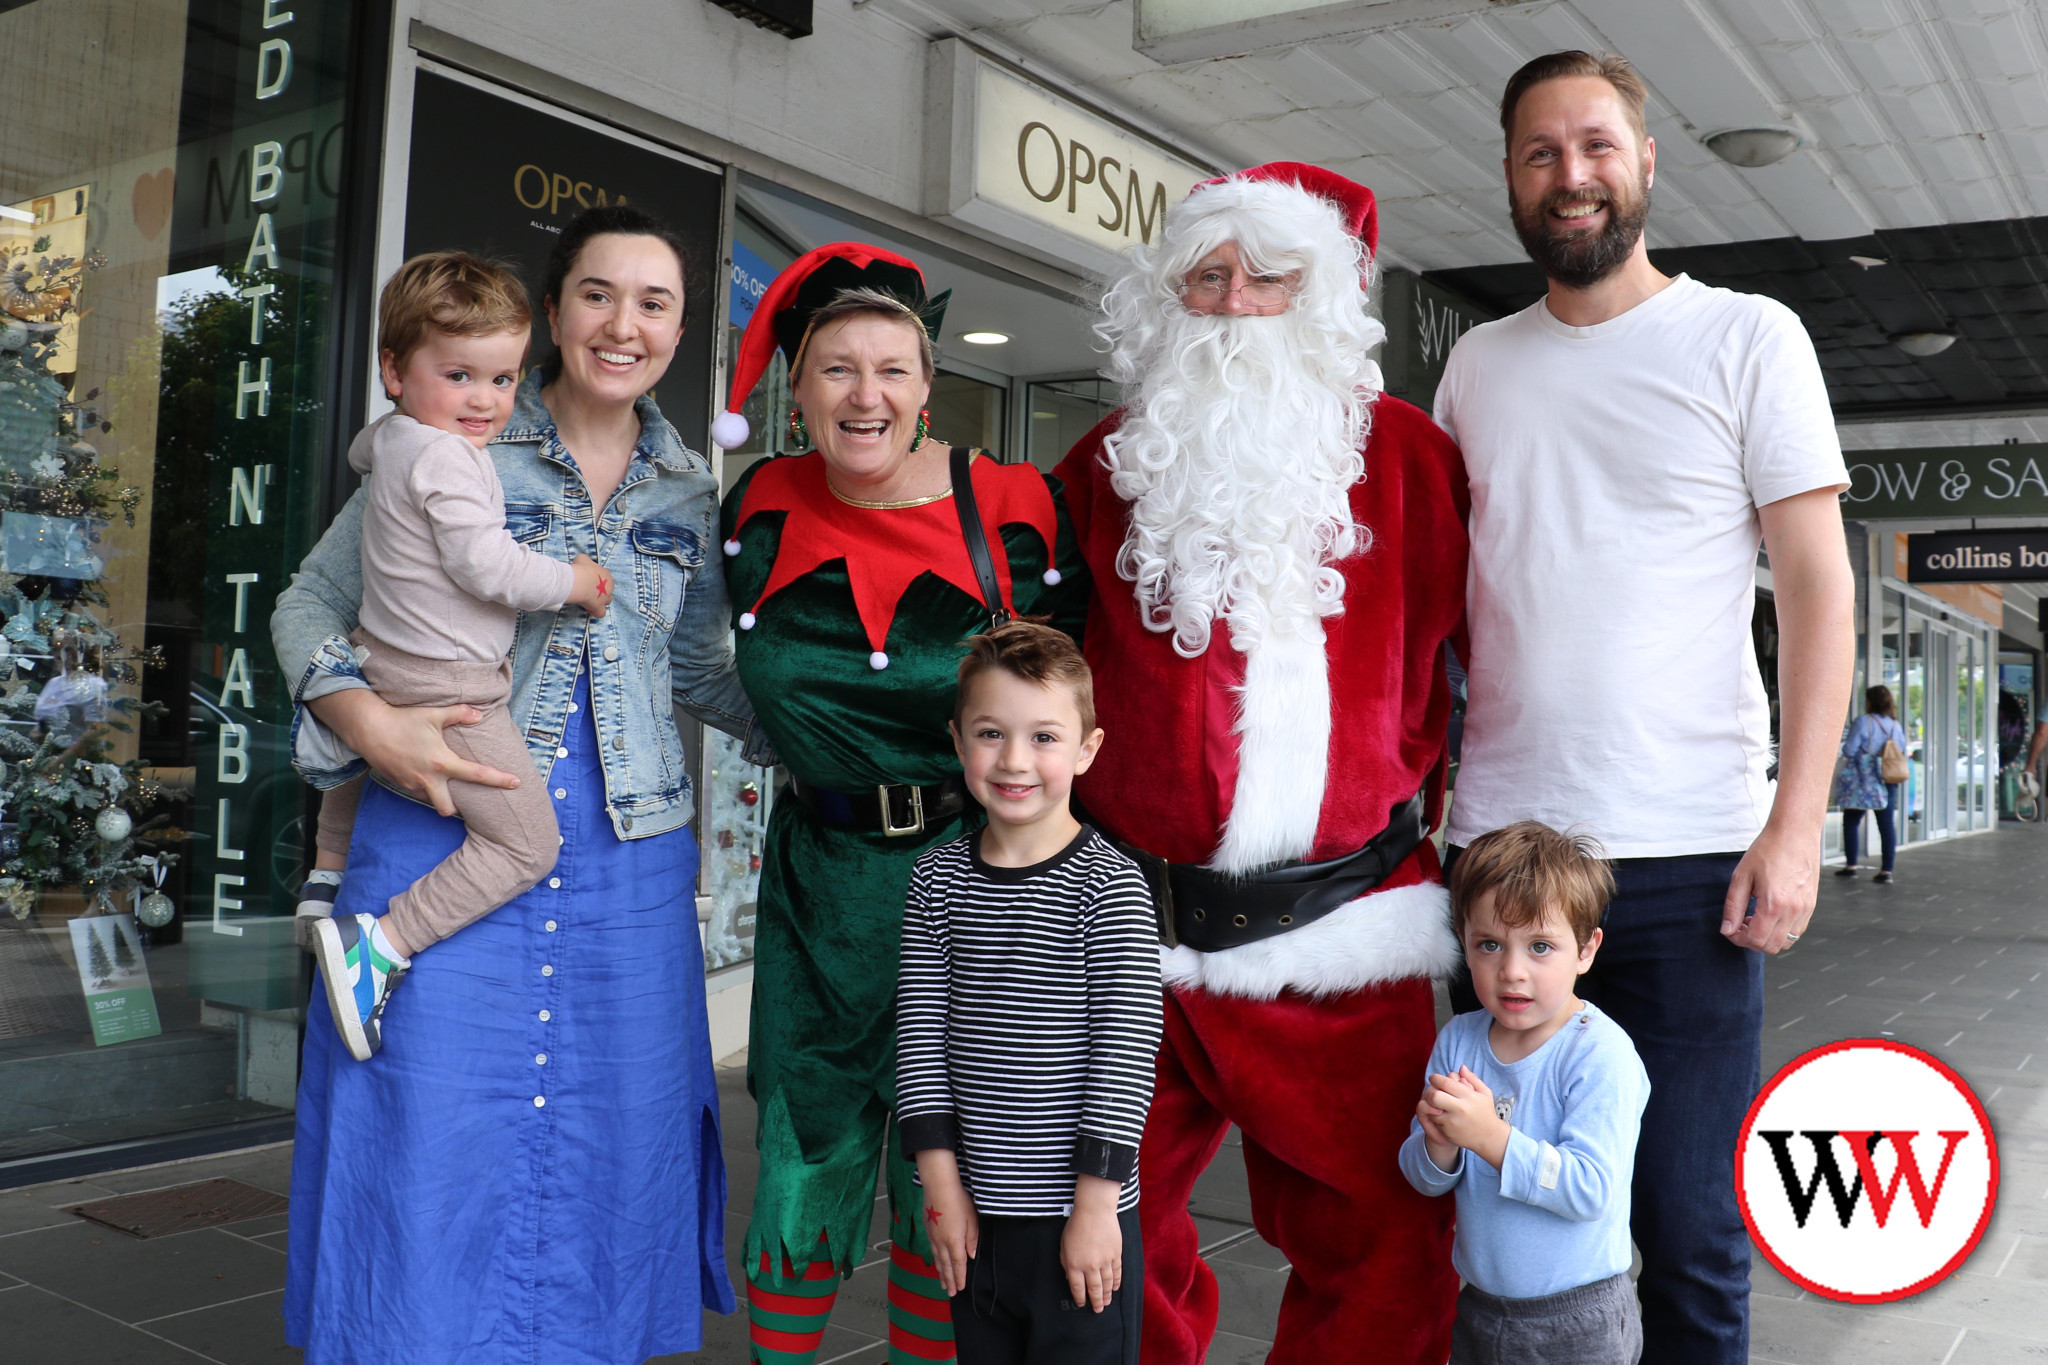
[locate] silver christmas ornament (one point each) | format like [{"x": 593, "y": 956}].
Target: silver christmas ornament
[
  {"x": 156, "y": 910},
  {"x": 113, "y": 824}
]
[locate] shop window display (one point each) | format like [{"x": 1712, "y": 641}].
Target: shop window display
[
  {"x": 167, "y": 210},
  {"x": 736, "y": 797},
  {"x": 1062, "y": 412}
]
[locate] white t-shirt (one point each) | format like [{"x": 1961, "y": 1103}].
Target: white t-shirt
[{"x": 1616, "y": 471}]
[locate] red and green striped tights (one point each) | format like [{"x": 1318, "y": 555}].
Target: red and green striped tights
[{"x": 787, "y": 1311}]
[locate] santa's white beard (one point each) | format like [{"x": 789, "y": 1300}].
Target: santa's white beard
[{"x": 1237, "y": 456}]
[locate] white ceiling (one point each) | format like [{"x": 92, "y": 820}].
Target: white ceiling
[
  {"x": 1915, "y": 112},
  {"x": 2029, "y": 429}
]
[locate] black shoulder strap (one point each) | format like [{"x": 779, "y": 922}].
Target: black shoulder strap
[{"x": 977, "y": 538}]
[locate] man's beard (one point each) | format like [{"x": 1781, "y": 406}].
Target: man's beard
[
  {"x": 1580, "y": 260},
  {"x": 1238, "y": 455}
]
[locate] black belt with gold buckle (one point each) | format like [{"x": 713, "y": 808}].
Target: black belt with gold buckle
[
  {"x": 896, "y": 810},
  {"x": 1207, "y": 910}
]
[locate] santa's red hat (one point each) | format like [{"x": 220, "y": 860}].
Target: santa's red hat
[
  {"x": 1353, "y": 200},
  {"x": 783, "y": 316}
]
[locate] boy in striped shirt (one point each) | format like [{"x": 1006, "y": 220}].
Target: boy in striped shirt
[{"x": 1027, "y": 1018}]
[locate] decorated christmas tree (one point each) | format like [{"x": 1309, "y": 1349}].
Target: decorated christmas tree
[{"x": 67, "y": 809}]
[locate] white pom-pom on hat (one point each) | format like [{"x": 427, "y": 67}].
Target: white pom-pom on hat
[
  {"x": 729, "y": 430},
  {"x": 1052, "y": 578},
  {"x": 878, "y": 661},
  {"x": 732, "y": 547},
  {"x": 746, "y": 620}
]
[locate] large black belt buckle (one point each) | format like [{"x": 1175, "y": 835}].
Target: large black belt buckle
[{"x": 915, "y": 825}]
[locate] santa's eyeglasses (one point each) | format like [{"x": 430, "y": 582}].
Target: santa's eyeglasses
[{"x": 1210, "y": 288}]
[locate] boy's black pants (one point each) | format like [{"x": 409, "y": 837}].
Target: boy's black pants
[{"x": 1017, "y": 1310}]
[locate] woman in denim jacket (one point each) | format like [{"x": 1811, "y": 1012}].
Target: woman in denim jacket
[{"x": 530, "y": 1169}]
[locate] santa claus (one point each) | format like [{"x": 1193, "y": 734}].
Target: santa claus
[{"x": 1278, "y": 553}]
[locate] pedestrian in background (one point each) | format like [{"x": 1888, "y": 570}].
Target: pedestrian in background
[{"x": 1862, "y": 784}]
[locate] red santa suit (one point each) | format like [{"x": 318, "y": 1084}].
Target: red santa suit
[{"x": 1313, "y": 1042}]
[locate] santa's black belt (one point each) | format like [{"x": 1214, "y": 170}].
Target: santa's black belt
[
  {"x": 1207, "y": 910},
  {"x": 896, "y": 810}
]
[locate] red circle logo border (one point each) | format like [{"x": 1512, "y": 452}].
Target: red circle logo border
[{"x": 1882, "y": 1045}]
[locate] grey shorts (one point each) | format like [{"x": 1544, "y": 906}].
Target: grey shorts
[{"x": 1595, "y": 1324}]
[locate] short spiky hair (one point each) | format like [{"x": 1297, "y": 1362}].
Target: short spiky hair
[
  {"x": 1531, "y": 868},
  {"x": 1616, "y": 71},
  {"x": 1030, "y": 649},
  {"x": 452, "y": 293}
]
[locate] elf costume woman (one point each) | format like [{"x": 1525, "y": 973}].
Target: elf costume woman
[{"x": 853, "y": 585}]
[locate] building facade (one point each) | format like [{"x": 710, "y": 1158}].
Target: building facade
[{"x": 199, "y": 200}]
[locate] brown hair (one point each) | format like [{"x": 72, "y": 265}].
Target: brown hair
[
  {"x": 1030, "y": 649},
  {"x": 1530, "y": 868},
  {"x": 1616, "y": 71},
  {"x": 1878, "y": 701},
  {"x": 871, "y": 303},
  {"x": 452, "y": 293}
]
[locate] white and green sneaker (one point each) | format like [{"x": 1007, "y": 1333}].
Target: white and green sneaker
[{"x": 361, "y": 970}]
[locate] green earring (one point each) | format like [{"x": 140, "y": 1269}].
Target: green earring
[
  {"x": 799, "y": 436},
  {"x": 924, "y": 427}
]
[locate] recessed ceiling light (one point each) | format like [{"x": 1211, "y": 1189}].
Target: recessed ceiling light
[
  {"x": 1923, "y": 344},
  {"x": 984, "y": 338},
  {"x": 1868, "y": 261},
  {"x": 1753, "y": 147},
  {"x": 18, "y": 215}
]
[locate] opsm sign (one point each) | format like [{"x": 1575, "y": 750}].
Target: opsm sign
[{"x": 1011, "y": 159}]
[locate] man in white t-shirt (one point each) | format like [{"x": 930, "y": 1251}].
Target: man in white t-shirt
[{"x": 1629, "y": 439}]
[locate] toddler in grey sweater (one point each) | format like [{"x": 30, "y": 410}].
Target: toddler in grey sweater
[{"x": 443, "y": 585}]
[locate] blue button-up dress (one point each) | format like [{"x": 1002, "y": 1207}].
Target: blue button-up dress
[{"x": 529, "y": 1171}]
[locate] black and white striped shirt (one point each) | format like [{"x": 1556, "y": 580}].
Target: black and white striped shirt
[{"x": 1027, "y": 1018}]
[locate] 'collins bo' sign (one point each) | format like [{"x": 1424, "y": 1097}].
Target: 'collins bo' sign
[
  {"x": 1011, "y": 159},
  {"x": 1977, "y": 557}
]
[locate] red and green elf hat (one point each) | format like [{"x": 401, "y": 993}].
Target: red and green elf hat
[{"x": 783, "y": 316}]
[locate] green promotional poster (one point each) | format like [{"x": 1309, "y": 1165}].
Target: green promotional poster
[{"x": 116, "y": 979}]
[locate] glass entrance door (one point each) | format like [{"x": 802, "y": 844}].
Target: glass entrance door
[
  {"x": 1946, "y": 708},
  {"x": 1941, "y": 748},
  {"x": 1913, "y": 716}
]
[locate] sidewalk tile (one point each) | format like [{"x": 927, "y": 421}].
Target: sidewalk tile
[
  {"x": 131, "y": 1279},
  {"x": 45, "y": 1329}
]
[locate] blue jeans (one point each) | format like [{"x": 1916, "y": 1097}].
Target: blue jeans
[
  {"x": 1887, "y": 828},
  {"x": 1693, "y": 1004}
]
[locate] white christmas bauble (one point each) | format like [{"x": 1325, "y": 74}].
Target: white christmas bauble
[
  {"x": 113, "y": 824},
  {"x": 13, "y": 336},
  {"x": 156, "y": 910}
]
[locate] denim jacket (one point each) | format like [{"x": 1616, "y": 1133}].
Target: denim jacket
[{"x": 666, "y": 633}]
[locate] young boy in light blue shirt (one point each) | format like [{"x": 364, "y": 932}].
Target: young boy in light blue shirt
[{"x": 1530, "y": 1113}]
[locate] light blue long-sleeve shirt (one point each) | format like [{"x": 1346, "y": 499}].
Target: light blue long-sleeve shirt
[{"x": 1555, "y": 1216}]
